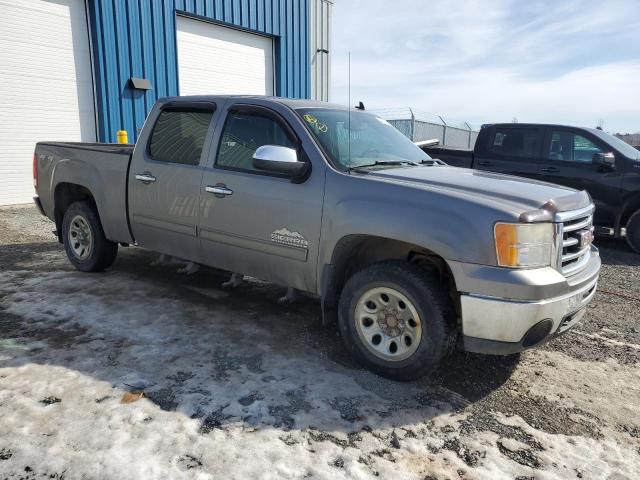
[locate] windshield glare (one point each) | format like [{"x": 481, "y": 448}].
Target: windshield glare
[
  {"x": 620, "y": 145},
  {"x": 372, "y": 138}
]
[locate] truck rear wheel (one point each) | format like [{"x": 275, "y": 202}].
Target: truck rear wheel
[
  {"x": 633, "y": 231},
  {"x": 84, "y": 241},
  {"x": 394, "y": 318}
]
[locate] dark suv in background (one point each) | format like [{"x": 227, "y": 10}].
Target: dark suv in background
[{"x": 582, "y": 158}]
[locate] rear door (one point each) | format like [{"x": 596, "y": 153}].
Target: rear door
[
  {"x": 254, "y": 222},
  {"x": 569, "y": 160},
  {"x": 514, "y": 150},
  {"x": 165, "y": 177}
]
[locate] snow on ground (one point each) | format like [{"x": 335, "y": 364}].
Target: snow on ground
[{"x": 236, "y": 386}]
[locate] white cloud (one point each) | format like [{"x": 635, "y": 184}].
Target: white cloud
[{"x": 571, "y": 62}]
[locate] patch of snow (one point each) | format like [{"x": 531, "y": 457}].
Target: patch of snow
[{"x": 231, "y": 396}]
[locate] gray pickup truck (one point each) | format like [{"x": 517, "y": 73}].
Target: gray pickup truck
[{"x": 410, "y": 256}]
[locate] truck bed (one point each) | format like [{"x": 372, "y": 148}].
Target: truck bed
[
  {"x": 117, "y": 148},
  {"x": 456, "y": 157},
  {"x": 101, "y": 168}
]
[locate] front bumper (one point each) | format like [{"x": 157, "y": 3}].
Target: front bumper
[{"x": 497, "y": 325}]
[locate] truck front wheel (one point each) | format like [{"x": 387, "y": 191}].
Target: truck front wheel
[
  {"x": 84, "y": 241},
  {"x": 395, "y": 319},
  {"x": 633, "y": 231}
]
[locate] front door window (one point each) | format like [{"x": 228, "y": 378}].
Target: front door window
[{"x": 571, "y": 147}]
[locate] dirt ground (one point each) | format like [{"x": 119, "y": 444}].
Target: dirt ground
[{"x": 142, "y": 372}]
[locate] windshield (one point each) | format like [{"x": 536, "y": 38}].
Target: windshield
[
  {"x": 620, "y": 145},
  {"x": 374, "y": 141}
]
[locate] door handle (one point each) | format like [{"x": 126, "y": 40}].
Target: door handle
[
  {"x": 485, "y": 163},
  {"x": 145, "y": 178},
  {"x": 219, "y": 190},
  {"x": 550, "y": 169}
]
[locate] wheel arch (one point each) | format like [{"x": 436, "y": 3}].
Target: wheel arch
[
  {"x": 64, "y": 195},
  {"x": 354, "y": 252},
  {"x": 630, "y": 206}
]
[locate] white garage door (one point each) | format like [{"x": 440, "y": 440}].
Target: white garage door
[
  {"x": 46, "y": 89},
  {"x": 216, "y": 60}
]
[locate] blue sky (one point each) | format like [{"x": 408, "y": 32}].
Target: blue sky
[{"x": 563, "y": 61}]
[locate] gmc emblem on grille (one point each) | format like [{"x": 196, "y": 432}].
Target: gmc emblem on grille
[{"x": 585, "y": 237}]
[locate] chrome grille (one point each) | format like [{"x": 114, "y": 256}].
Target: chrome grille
[{"x": 575, "y": 229}]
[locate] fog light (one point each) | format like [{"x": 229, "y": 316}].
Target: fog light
[{"x": 537, "y": 333}]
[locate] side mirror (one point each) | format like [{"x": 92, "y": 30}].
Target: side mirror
[
  {"x": 278, "y": 159},
  {"x": 607, "y": 159}
]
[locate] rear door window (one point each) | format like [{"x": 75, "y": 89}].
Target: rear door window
[
  {"x": 178, "y": 135},
  {"x": 515, "y": 142}
]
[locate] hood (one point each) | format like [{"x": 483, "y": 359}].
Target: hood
[{"x": 516, "y": 193}]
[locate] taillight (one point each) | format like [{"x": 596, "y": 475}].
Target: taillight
[{"x": 35, "y": 171}]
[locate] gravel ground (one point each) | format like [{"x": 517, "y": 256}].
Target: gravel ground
[{"x": 144, "y": 372}]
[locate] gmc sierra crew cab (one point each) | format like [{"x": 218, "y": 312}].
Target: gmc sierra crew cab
[
  {"x": 411, "y": 257},
  {"x": 581, "y": 158}
]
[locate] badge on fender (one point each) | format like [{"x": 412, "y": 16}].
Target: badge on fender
[{"x": 284, "y": 236}]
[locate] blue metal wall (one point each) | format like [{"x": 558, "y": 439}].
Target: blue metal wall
[{"x": 137, "y": 38}]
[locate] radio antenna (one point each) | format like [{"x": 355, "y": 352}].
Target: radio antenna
[{"x": 349, "y": 108}]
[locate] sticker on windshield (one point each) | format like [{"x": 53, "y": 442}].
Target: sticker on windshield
[{"x": 314, "y": 121}]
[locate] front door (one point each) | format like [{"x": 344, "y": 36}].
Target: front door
[
  {"x": 569, "y": 160},
  {"x": 165, "y": 178},
  {"x": 254, "y": 222}
]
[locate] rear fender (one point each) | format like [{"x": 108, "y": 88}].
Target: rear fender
[{"x": 86, "y": 175}]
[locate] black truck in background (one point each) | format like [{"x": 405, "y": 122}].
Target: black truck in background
[{"x": 581, "y": 158}]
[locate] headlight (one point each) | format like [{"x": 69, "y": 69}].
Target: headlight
[{"x": 524, "y": 244}]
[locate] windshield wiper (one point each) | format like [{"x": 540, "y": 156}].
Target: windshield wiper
[
  {"x": 432, "y": 162},
  {"x": 378, "y": 163}
]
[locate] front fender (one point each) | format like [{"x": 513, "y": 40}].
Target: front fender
[
  {"x": 457, "y": 228},
  {"x": 448, "y": 232}
]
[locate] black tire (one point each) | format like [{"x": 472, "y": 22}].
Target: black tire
[
  {"x": 102, "y": 253},
  {"x": 432, "y": 303},
  {"x": 633, "y": 231}
]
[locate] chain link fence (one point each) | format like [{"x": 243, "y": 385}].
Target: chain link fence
[{"x": 418, "y": 126}]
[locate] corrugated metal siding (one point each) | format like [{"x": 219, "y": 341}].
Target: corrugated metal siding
[
  {"x": 137, "y": 38},
  {"x": 320, "y": 16}
]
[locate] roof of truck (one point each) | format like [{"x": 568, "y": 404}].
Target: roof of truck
[
  {"x": 552, "y": 125},
  {"x": 290, "y": 102}
]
